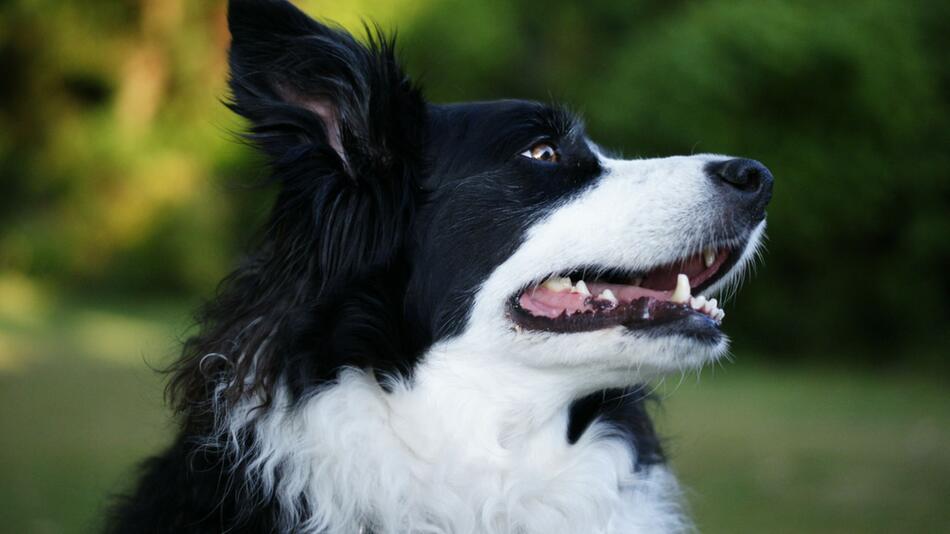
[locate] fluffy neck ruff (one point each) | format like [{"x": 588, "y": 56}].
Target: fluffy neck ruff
[{"x": 472, "y": 445}]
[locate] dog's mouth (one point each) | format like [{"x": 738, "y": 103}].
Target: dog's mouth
[{"x": 591, "y": 298}]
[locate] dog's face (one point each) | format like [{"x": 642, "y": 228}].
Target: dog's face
[
  {"x": 402, "y": 224},
  {"x": 533, "y": 242}
]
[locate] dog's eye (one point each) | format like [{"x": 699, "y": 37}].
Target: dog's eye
[{"x": 542, "y": 152}]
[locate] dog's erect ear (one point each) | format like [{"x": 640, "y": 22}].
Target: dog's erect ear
[
  {"x": 341, "y": 125},
  {"x": 342, "y": 128},
  {"x": 307, "y": 87}
]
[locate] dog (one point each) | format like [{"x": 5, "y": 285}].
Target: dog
[{"x": 450, "y": 316}]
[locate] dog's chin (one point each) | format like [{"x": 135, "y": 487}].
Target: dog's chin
[
  {"x": 618, "y": 356},
  {"x": 674, "y": 351},
  {"x": 627, "y": 357}
]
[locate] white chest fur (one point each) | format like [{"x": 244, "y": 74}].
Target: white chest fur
[{"x": 466, "y": 448}]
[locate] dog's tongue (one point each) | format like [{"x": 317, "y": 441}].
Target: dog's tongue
[{"x": 545, "y": 301}]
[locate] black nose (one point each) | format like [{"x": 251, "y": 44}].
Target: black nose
[{"x": 747, "y": 183}]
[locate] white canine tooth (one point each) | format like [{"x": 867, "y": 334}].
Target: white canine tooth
[
  {"x": 608, "y": 295},
  {"x": 681, "y": 293},
  {"x": 709, "y": 256},
  {"x": 581, "y": 287},
  {"x": 557, "y": 284}
]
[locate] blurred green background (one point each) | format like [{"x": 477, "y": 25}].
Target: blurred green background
[{"x": 125, "y": 199}]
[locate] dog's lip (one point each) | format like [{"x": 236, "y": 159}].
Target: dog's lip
[{"x": 654, "y": 309}]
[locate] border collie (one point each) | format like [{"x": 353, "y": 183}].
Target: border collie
[{"x": 451, "y": 313}]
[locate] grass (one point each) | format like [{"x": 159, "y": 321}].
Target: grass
[
  {"x": 758, "y": 449},
  {"x": 812, "y": 450}
]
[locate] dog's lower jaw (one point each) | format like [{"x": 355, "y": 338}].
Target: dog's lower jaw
[
  {"x": 594, "y": 360},
  {"x": 474, "y": 444}
]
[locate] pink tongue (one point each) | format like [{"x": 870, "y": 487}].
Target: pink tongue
[
  {"x": 629, "y": 293},
  {"x": 544, "y": 302}
]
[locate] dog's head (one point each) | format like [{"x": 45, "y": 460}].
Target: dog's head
[
  {"x": 531, "y": 242},
  {"x": 402, "y": 224}
]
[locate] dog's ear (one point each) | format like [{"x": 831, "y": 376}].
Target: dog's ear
[
  {"x": 340, "y": 123},
  {"x": 342, "y": 128},
  {"x": 307, "y": 87}
]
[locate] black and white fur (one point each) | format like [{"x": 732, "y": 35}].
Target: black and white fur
[{"x": 359, "y": 372}]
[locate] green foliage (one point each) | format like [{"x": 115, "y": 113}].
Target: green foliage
[
  {"x": 113, "y": 134},
  {"x": 120, "y": 172}
]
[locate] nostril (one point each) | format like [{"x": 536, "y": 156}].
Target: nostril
[
  {"x": 743, "y": 174},
  {"x": 748, "y": 179}
]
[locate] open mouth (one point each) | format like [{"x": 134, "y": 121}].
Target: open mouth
[{"x": 591, "y": 298}]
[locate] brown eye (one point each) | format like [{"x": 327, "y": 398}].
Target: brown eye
[{"x": 542, "y": 152}]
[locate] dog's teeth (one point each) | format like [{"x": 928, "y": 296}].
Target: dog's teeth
[
  {"x": 709, "y": 307},
  {"x": 697, "y": 303},
  {"x": 681, "y": 293},
  {"x": 557, "y": 284},
  {"x": 709, "y": 256},
  {"x": 609, "y": 296},
  {"x": 581, "y": 287}
]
